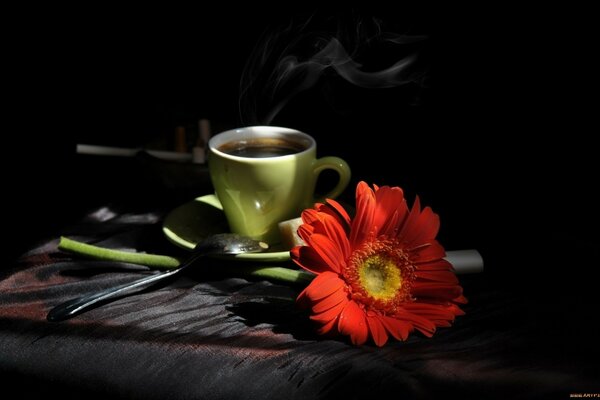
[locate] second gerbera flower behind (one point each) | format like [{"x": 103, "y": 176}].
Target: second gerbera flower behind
[{"x": 380, "y": 274}]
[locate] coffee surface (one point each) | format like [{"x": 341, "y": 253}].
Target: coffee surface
[{"x": 262, "y": 147}]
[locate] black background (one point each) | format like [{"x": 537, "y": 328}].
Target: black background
[{"x": 496, "y": 137}]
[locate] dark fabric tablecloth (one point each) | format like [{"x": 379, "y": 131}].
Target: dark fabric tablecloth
[{"x": 209, "y": 334}]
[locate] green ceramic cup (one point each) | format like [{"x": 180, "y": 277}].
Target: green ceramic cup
[{"x": 263, "y": 175}]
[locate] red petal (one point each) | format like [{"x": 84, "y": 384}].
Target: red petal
[
  {"x": 330, "y": 301},
  {"x": 329, "y": 251},
  {"x": 330, "y": 227},
  {"x": 391, "y": 226},
  {"x": 306, "y": 257},
  {"x": 334, "y": 209},
  {"x": 430, "y": 253},
  {"x": 377, "y": 330},
  {"x": 437, "y": 265},
  {"x": 460, "y": 300},
  {"x": 426, "y": 332},
  {"x": 409, "y": 228},
  {"x": 328, "y": 315},
  {"x": 441, "y": 291},
  {"x": 309, "y": 216},
  {"x": 438, "y": 276},
  {"x": 302, "y": 301},
  {"x": 325, "y": 329},
  {"x": 353, "y": 322},
  {"x": 426, "y": 227},
  {"x": 390, "y": 210},
  {"x": 305, "y": 231},
  {"x": 423, "y": 324},
  {"x": 397, "y": 328},
  {"x": 324, "y": 284},
  {"x": 365, "y": 211},
  {"x": 443, "y": 304},
  {"x": 431, "y": 311},
  {"x": 456, "y": 310}
]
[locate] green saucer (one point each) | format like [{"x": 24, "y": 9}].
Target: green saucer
[{"x": 191, "y": 222}]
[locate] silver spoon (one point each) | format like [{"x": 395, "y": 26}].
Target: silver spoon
[{"x": 220, "y": 244}]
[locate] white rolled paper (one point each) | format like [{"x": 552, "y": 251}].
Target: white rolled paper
[
  {"x": 199, "y": 155},
  {"x": 125, "y": 152},
  {"x": 465, "y": 261}
]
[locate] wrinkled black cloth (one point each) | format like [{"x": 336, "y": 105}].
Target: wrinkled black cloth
[{"x": 209, "y": 334}]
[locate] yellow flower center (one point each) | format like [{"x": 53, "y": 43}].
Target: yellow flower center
[{"x": 380, "y": 277}]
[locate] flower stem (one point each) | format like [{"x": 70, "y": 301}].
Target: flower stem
[
  {"x": 100, "y": 253},
  {"x": 160, "y": 261},
  {"x": 276, "y": 273}
]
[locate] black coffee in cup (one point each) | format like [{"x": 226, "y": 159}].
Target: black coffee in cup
[{"x": 262, "y": 147}]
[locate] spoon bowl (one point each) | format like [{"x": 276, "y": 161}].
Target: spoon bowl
[{"x": 228, "y": 244}]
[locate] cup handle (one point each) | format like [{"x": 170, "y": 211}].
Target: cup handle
[{"x": 338, "y": 165}]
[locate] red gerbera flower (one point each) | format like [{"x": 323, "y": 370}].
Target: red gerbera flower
[{"x": 382, "y": 273}]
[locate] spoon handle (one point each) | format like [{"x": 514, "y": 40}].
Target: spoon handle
[
  {"x": 80, "y": 304},
  {"x": 222, "y": 244}
]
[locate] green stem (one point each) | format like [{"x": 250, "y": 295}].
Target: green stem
[
  {"x": 277, "y": 273},
  {"x": 100, "y": 253},
  {"x": 160, "y": 261}
]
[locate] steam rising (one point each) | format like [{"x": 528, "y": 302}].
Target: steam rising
[{"x": 292, "y": 60}]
